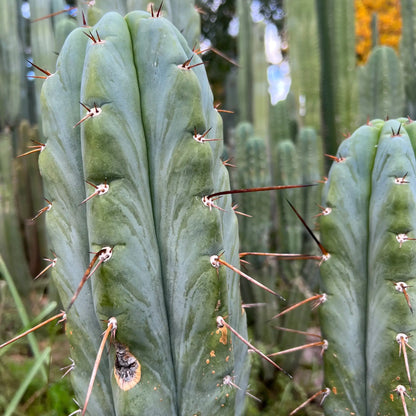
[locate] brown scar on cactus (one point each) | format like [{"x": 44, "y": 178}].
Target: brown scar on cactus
[
  {"x": 401, "y": 391},
  {"x": 402, "y": 238},
  {"x": 111, "y": 330},
  {"x": 47, "y": 73},
  {"x": 42, "y": 210},
  {"x": 216, "y": 261},
  {"x": 223, "y": 332},
  {"x": 100, "y": 257},
  {"x": 37, "y": 147},
  {"x": 91, "y": 112},
  {"x": 100, "y": 189},
  {"x": 52, "y": 263},
  {"x": 127, "y": 369},
  {"x": 323, "y": 344},
  {"x": 402, "y": 288},
  {"x": 316, "y": 299},
  {"x": 229, "y": 381},
  {"x": 403, "y": 341},
  {"x": 62, "y": 315},
  {"x": 324, "y": 393},
  {"x": 208, "y": 199},
  {"x": 221, "y": 323},
  {"x": 201, "y": 138}
]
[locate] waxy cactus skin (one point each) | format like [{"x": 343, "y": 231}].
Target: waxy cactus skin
[
  {"x": 159, "y": 282},
  {"x": 371, "y": 191}
]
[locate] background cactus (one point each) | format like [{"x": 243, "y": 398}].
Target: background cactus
[
  {"x": 141, "y": 144},
  {"x": 301, "y": 24},
  {"x": 338, "y": 89},
  {"x": 381, "y": 86},
  {"x": 372, "y": 197}
]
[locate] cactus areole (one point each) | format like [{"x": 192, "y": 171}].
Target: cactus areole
[
  {"x": 122, "y": 110},
  {"x": 369, "y": 278}
]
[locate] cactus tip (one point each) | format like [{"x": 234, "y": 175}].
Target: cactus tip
[
  {"x": 397, "y": 133},
  {"x": 158, "y": 12},
  {"x": 95, "y": 39}
]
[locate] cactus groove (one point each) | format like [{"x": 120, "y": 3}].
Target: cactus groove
[
  {"x": 369, "y": 234},
  {"x": 159, "y": 283}
]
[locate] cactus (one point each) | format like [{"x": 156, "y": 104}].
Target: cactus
[
  {"x": 338, "y": 87},
  {"x": 261, "y": 97},
  {"x": 253, "y": 172},
  {"x": 182, "y": 13},
  {"x": 146, "y": 107},
  {"x": 310, "y": 150},
  {"x": 11, "y": 68},
  {"x": 245, "y": 72},
  {"x": 11, "y": 244},
  {"x": 408, "y": 54},
  {"x": 301, "y": 24},
  {"x": 370, "y": 194},
  {"x": 381, "y": 85}
]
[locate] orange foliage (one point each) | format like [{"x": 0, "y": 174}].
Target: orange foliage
[{"x": 389, "y": 23}]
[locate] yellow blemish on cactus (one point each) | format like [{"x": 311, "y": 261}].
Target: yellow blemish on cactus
[{"x": 223, "y": 332}]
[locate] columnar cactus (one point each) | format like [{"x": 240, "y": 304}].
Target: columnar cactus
[
  {"x": 301, "y": 24},
  {"x": 11, "y": 70},
  {"x": 368, "y": 277},
  {"x": 142, "y": 148},
  {"x": 407, "y": 54},
  {"x": 182, "y": 13},
  {"x": 337, "y": 53},
  {"x": 381, "y": 85}
]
